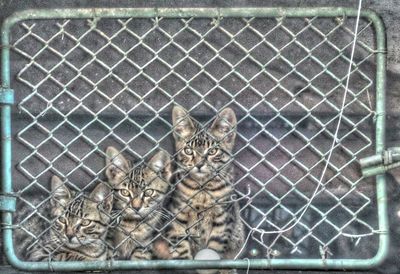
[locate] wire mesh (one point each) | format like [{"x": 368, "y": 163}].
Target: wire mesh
[{"x": 84, "y": 85}]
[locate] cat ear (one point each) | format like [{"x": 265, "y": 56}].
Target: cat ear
[
  {"x": 102, "y": 194},
  {"x": 161, "y": 162},
  {"x": 182, "y": 123},
  {"x": 116, "y": 163},
  {"x": 224, "y": 127},
  {"x": 61, "y": 195}
]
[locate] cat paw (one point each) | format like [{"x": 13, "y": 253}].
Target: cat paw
[
  {"x": 161, "y": 250},
  {"x": 140, "y": 255}
]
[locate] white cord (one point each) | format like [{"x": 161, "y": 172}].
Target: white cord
[
  {"x": 336, "y": 132},
  {"x": 248, "y": 265},
  {"x": 243, "y": 246},
  {"x": 334, "y": 139}
]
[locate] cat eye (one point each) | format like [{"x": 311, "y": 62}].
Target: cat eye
[
  {"x": 188, "y": 151},
  {"x": 62, "y": 220},
  {"x": 85, "y": 222},
  {"x": 212, "y": 151},
  {"x": 124, "y": 192},
  {"x": 148, "y": 192}
]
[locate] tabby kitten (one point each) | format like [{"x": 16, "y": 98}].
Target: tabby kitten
[
  {"x": 80, "y": 225},
  {"x": 139, "y": 194},
  {"x": 205, "y": 215}
]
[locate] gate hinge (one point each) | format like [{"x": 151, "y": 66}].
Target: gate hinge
[
  {"x": 7, "y": 202},
  {"x": 380, "y": 163},
  {"x": 6, "y": 96}
]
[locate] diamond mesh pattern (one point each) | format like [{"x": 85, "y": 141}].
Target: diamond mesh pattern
[{"x": 83, "y": 85}]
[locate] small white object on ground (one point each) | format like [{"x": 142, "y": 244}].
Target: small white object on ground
[{"x": 207, "y": 254}]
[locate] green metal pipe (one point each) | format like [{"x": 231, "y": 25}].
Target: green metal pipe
[
  {"x": 376, "y": 170},
  {"x": 6, "y": 152},
  {"x": 380, "y": 138},
  {"x": 387, "y": 157},
  {"x": 183, "y": 12},
  {"x": 191, "y": 264},
  {"x": 371, "y": 161}
]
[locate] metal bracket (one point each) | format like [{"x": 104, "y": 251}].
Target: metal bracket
[
  {"x": 7, "y": 202},
  {"x": 380, "y": 163},
  {"x": 6, "y": 96}
]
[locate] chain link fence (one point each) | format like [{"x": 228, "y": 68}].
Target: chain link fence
[{"x": 83, "y": 85}]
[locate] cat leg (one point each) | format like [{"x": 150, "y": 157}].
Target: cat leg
[
  {"x": 219, "y": 240},
  {"x": 174, "y": 248},
  {"x": 228, "y": 271},
  {"x": 180, "y": 246},
  {"x": 227, "y": 237},
  {"x": 227, "y": 234},
  {"x": 181, "y": 250},
  {"x": 141, "y": 254}
]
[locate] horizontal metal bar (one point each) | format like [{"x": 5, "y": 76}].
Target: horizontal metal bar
[
  {"x": 387, "y": 157},
  {"x": 185, "y": 264},
  {"x": 379, "y": 169},
  {"x": 184, "y": 12},
  {"x": 380, "y": 163}
]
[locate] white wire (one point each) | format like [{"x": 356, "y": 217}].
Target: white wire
[
  {"x": 361, "y": 235},
  {"x": 243, "y": 246},
  {"x": 248, "y": 265},
  {"x": 333, "y": 143}
]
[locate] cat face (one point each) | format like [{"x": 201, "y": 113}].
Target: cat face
[
  {"x": 138, "y": 191},
  {"x": 204, "y": 153},
  {"x": 81, "y": 222}
]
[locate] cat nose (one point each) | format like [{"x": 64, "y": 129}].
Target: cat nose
[
  {"x": 136, "y": 207},
  {"x": 70, "y": 234},
  {"x": 200, "y": 164},
  {"x": 136, "y": 204}
]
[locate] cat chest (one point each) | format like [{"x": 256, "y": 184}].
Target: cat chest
[
  {"x": 130, "y": 236},
  {"x": 201, "y": 223},
  {"x": 203, "y": 207},
  {"x": 136, "y": 230},
  {"x": 201, "y": 201}
]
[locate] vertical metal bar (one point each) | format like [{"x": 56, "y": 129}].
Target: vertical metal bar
[
  {"x": 6, "y": 150},
  {"x": 380, "y": 136}
]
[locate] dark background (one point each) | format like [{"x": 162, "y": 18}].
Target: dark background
[{"x": 389, "y": 11}]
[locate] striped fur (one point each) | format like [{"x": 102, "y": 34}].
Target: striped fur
[
  {"x": 80, "y": 225},
  {"x": 29, "y": 219},
  {"x": 139, "y": 195},
  {"x": 205, "y": 216}
]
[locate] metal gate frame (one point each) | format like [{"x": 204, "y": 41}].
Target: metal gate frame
[{"x": 7, "y": 199}]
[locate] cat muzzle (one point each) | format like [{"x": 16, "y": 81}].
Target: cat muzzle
[{"x": 136, "y": 204}]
